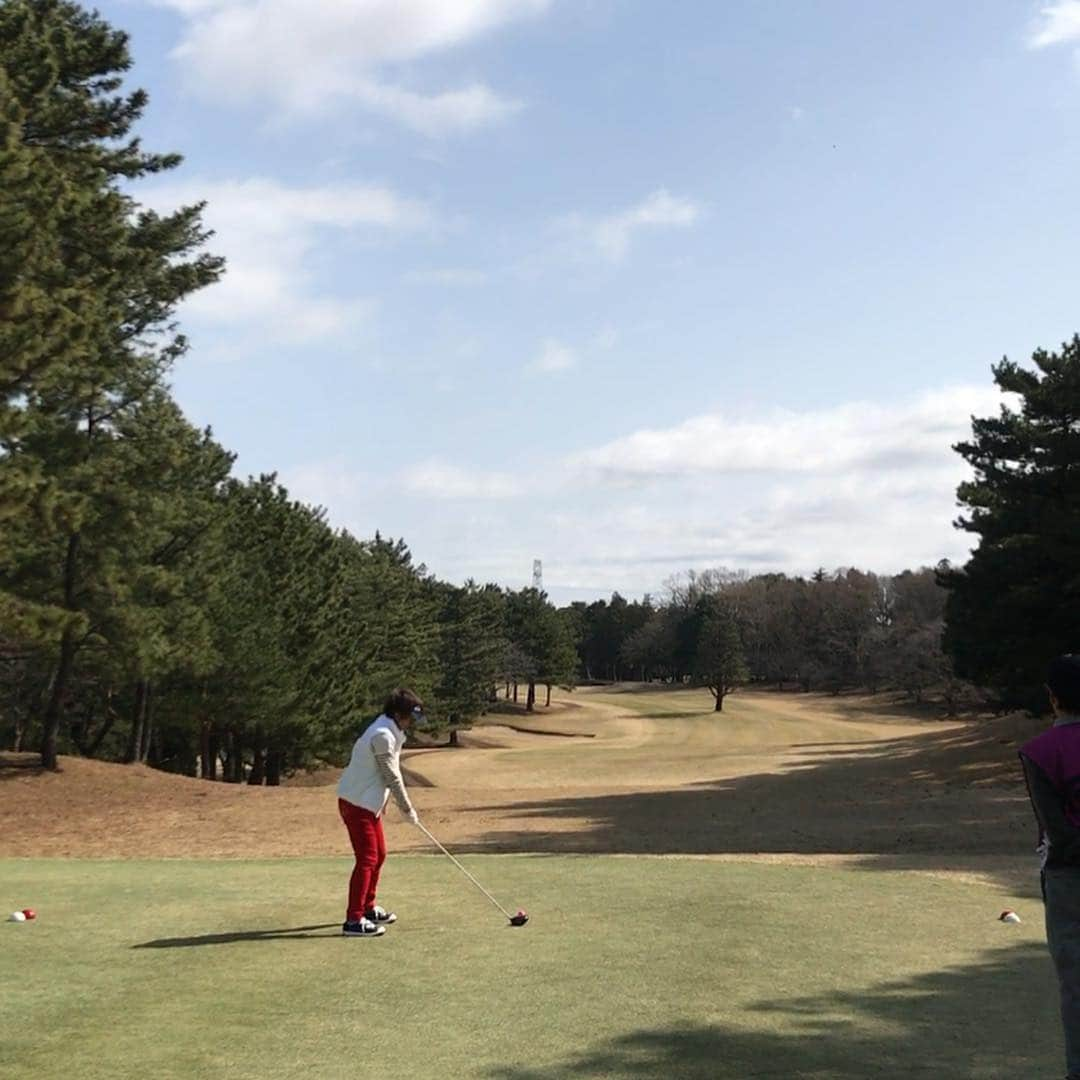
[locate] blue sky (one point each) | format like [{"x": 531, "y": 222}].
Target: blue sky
[{"x": 628, "y": 287}]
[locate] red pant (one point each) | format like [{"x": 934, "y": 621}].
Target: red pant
[{"x": 369, "y": 846}]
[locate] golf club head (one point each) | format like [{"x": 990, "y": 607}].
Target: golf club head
[{"x": 520, "y": 919}]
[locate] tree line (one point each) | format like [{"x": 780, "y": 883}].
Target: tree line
[
  {"x": 831, "y": 631},
  {"x": 154, "y": 607},
  {"x": 990, "y": 625}
]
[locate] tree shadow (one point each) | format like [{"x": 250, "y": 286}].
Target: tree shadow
[
  {"x": 862, "y": 700},
  {"x": 14, "y": 765},
  {"x": 295, "y": 933},
  {"x": 677, "y": 714},
  {"x": 882, "y": 706},
  {"x": 991, "y": 1020},
  {"x": 632, "y": 688},
  {"x": 931, "y": 800}
]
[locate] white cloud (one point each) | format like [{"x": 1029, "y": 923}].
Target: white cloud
[
  {"x": 453, "y": 276},
  {"x": 266, "y": 206},
  {"x": 659, "y": 210},
  {"x": 330, "y": 483},
  {"x": 611, "y": 236},
  {"x": 878, "y": 492},
  {"x": 188, "y": 7},
  {"x": 439, "y": 480},
  {"x": 860, "y": 484},
  {"x": 268, "y": 233},
  {"x": 856, "y": 435},
  {"x": 633, "y": 546},
  {"x": 452, "y": 112},
  {"x": 1058, "y": 24},
  {"x": 553, "y": 357},
  {"x": 302, "y": 55}
]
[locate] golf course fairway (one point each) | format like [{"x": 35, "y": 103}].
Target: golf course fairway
[{"x": 630, "y": 967}]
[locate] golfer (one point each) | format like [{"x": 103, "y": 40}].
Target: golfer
[
  {"x": 1052, "y": 768},
  {"x": 371, "y": 777}
]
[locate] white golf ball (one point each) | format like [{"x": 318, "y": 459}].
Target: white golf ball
[{"x": 16, "y": 916}]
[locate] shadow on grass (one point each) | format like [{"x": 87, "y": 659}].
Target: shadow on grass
[
  {"x": 14, "y": 765},
  {"x": 292, "y": 933},
  {"x": 911, "y": 801},
  {"x": 673, "y": 714},
  {"x": 992, "y": 1020},
  {"x": 631, "y": 688},
  {"x": 883, "y": 706},
  {"x": 854, "y": 704}
]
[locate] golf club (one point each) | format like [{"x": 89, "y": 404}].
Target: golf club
[{"x": 520, "y": 919}]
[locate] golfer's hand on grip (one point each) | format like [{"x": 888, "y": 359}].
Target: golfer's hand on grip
[{"x": 412, "y": 816}]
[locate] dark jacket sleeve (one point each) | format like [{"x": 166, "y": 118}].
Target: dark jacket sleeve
[{"x": 1049, "y": 806}]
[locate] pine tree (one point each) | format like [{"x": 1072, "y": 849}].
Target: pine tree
[
  {"x": 377, "y": 628},
  {"x": 157, "y": 625},
  {"x": 559, "y": 660},
  {"x": 87, "y": 327},
  {"x": 1012, "y": 607},
  {"x": 265, "y": 596},
  {"x": 524, "y": 627},
  {"x": 472, "y": 646},
  {"x": 540, "y": 641}
]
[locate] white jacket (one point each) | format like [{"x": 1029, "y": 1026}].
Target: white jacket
[{"x": 368, "y": 781}]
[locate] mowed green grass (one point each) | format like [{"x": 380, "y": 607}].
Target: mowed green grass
[{"x": 630, "y": 967}]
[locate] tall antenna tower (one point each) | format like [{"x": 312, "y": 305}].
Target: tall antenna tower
[{"x": 538, "y": 575}]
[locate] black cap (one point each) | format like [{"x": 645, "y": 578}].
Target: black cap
[{"x": 1063, "y": 681}]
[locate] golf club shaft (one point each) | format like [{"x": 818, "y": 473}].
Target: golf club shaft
[{"x": 425, "y": 831}]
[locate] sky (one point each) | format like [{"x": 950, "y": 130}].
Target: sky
[{"x": 628, "y": 287}]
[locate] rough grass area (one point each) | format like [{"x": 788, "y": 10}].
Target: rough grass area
[
  {"x": 630, "y": 967},
  {"x": 657, "y": 772}
]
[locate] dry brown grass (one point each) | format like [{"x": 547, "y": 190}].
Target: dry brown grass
[{"x": 776, "y": 776}]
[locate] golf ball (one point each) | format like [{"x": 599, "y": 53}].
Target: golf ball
[{"x": 16, "y": 916}]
